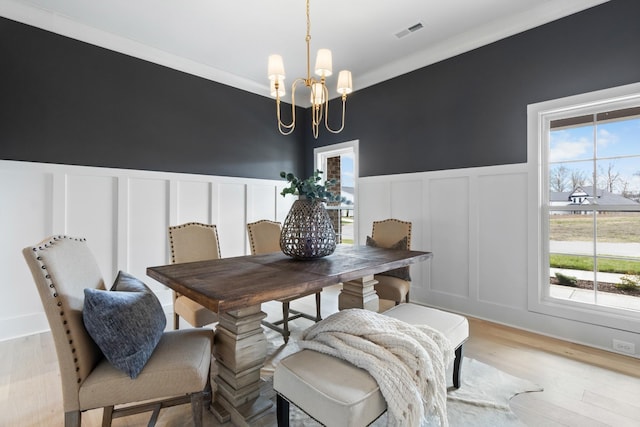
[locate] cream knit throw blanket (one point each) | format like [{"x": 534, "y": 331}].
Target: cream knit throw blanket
[{"x": 408, "y": 362}]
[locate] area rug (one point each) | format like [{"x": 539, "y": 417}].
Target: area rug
[{"x": 482, "y": 399}]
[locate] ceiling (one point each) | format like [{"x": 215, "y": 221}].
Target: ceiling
[{"x": 229, "y": 40}]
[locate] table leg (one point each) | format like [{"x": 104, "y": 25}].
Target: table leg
[
  {"x": 359, "y": 293},
  {"x": 240, "y": 351}
]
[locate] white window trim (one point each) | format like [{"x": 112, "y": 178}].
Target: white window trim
[
  {"x": 320, "y": 154},
  {"x": 538, "y": 117}
]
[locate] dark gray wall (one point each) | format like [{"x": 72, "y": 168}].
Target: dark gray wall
[
  {"x": 471, "y": 110},
  {"x": 64, "y": 101}
]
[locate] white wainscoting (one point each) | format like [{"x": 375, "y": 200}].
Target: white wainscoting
[
  {"x": 123, "y": 214},
  {"x": 475, "y": 221},
  {"x": 476, "y": 232}
]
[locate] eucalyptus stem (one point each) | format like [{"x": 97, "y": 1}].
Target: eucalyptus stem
[{"x": 311, "y": 188}]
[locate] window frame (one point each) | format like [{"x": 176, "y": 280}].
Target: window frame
[
  {"x": 539, "y": 117},
  {"x": 320, "y": 156}
]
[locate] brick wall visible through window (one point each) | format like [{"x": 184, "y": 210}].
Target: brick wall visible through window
[{"x": 333, "y": 172}]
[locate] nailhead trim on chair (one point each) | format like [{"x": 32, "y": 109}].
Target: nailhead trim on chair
[
  {"x": 409, "y": 225},
  {"x": 172, "y": 228},
  {"x": 373, "y": 232},
  {"x": 54, "y": 294},
  {"x": 253, "y": 244},
  {"x": 199, "y": 224}
]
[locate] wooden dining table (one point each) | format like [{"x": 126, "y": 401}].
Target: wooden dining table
[{"x": 236, "y": 287}]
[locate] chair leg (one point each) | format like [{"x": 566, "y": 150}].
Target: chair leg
[
  {"x": 318, "y": 315},
  {"x": 196, "y": 408},
  {"x": 285, "y": 322},
  {"x": 72, "y": 419},
  {"x": 282, "y": 411},
  {"x": 457, "y": 367},
  {"x": 176, "y": 321},
  {"x": 155, "y": 413},
  {"x": 107, "y": 416}
]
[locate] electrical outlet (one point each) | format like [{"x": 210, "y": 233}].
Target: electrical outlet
[{"x": 624, "y": 346}]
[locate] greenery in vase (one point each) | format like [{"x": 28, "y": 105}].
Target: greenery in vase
[{"x": 310, "y": 187}]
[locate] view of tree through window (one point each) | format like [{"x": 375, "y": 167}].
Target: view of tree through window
[{"x": 594, "y": 208}]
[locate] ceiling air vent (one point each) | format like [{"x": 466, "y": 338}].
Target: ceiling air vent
[{"x": 411, "y": 29}]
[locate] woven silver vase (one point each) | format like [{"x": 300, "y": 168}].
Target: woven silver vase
[{"x": 307, "y": 231}]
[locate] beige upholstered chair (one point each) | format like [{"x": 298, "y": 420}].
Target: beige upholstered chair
[
  {"x": 177, "y": 370},
  {"x": 264, "y": 236},
  {"x": 390, "y": 233},
  {"x": 192, "y": 242}
]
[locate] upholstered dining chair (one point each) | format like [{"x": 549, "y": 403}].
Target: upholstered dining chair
[
  {"x": 395, "y": 284},
  {"x": 264, "y": 237},
  {"x": 91, "y": 325},
  {"x": 192, "y": 242}
]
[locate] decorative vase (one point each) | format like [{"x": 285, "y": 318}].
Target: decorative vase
[{"x": 307, "y": 231}]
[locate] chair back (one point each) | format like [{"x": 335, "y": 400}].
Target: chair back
[
  {"x": 388, "y": 232},
  {"x": 62, "y": 267},
  {"x": 264, "y": 236},
  {"x": 193, "y": 241}
]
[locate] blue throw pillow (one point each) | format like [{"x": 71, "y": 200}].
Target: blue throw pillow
[
  {"x": 402, "y": 272},
  {"x": 125, "y": 322}
]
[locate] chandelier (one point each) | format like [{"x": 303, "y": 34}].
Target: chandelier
[{"x": 319, "y": 94}]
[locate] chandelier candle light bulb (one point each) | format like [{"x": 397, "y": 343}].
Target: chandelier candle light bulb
[
  {"x": 319, "y": 94},
  {"x": 280, "y": 89},
  {"x": 345, "y": 86}
]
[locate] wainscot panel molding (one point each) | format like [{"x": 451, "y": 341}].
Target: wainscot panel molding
[
  {"x": 123, "y": 214},
  {"x": 475, "y": 221}
]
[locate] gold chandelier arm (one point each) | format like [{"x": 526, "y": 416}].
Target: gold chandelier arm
[
  {"x": 326, "y": 115},
  {"x": 281, "y": 125},
  {"x": 287, "y": 129},
  {"x": 314, "y": 129},
  {"x": 317, "y": 109}
]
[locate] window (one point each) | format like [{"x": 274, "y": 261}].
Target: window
[
  {"x": 584, "y": 152},
  {"x": 340, "y": 162}
]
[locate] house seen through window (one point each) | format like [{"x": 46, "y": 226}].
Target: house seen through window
[{"x": 593, "y": 204}]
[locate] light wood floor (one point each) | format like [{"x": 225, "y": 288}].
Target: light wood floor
[{"x": 582, "y": 386}]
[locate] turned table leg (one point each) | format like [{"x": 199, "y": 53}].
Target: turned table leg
[
  {"x": 359, "y": 293},
  {"x": 240, "y": 351}
]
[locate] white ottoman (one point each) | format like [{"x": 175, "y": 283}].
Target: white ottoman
[
  {"x": 453, "y": 326},
  {"x": 337, "y": 393}
]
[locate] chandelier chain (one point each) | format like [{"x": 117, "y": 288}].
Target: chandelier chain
[{"x": 308, "y": 40}]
